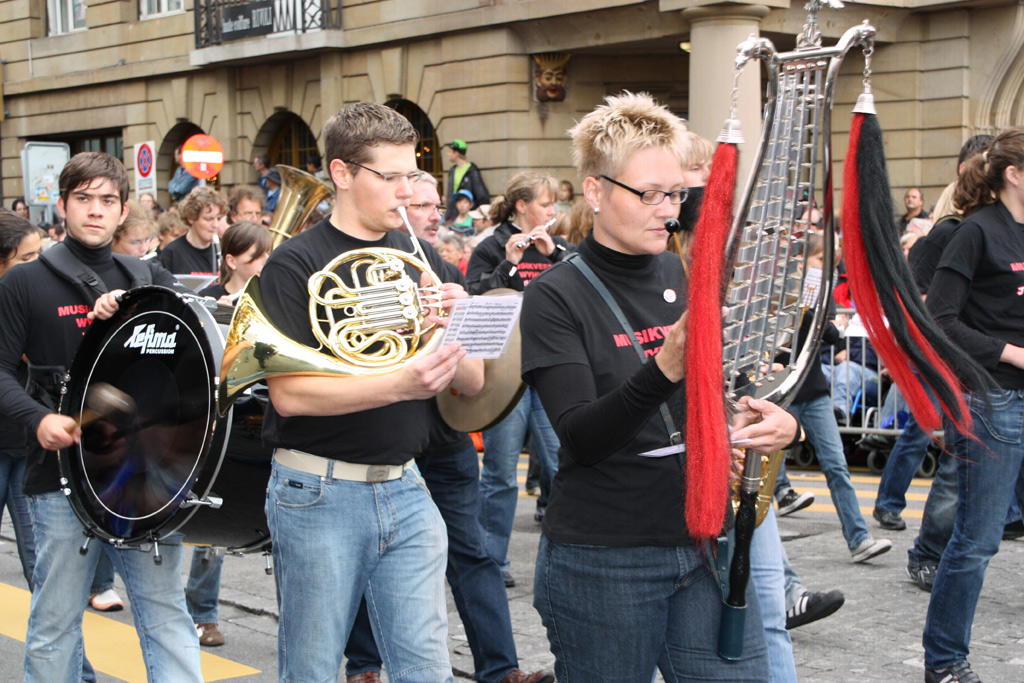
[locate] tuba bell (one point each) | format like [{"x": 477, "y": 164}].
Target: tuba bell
[
  {"x": 300, "y": 194},
  {"x": 366, "y": 312}
]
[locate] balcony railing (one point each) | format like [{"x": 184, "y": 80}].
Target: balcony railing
[{"x": 221, "y": 21}]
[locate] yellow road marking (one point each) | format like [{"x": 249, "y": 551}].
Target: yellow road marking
[
  {"x": 827, "y": 507},
  {"x": 111, "y": 646}
]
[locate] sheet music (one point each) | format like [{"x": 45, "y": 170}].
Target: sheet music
[{"x": 483, "y": 324}]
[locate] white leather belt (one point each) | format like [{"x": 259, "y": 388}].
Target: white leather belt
[{"x": 347, "y": 471}]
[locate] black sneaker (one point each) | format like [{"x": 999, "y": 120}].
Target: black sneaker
[
  {"x": 889, "y": 520},
  {"x": 1013, "y": 530},
  {"x": 813, "y": 606},
  {"x": 923, "y": 576},
  {"x": 507, "y": 577},
  {"x": 791, "y": 501},
  {"x": 958, "y": 673}
]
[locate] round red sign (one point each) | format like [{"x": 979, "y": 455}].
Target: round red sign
[{"x": 202, "y": 156}]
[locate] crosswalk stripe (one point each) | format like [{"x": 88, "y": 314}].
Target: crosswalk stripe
[{"x": 112, "y": 647}]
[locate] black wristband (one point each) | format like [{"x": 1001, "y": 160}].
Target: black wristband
[{"x": 799, "y": 434}]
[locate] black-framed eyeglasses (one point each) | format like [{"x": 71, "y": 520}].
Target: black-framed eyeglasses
[
  {"x": 440, "y": 208},
  {"x": 652, "y": 197},
  {"x": 392, "y": 177}
]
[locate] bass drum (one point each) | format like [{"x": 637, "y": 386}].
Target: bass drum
[{"x": 153, "y": 457}]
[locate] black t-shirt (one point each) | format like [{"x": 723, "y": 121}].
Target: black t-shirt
[
  {"x": 926, "y": 253},
  {"x": 44, "y": 317},
  {"x": 181, "y": 258},
  {"x": 489, "y": 269},
  {"x": 977, "y": 294},
  {"x": 389, "y": 435},
  {"x": 605, "y": 493},
  {"x": 215, "y": 290}
]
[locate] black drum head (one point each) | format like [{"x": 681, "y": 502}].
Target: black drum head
[{"x": 142, "y": 386}]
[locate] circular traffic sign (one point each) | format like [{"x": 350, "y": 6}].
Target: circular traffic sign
[
  {"x": 202, "y": 156},
  {"x": 144, "y": 161}
]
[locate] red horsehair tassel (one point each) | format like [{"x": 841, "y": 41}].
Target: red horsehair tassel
[{"x": 707, "y": 435}]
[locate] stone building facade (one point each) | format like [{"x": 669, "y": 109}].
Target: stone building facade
[{"x": 106, "y": 74}]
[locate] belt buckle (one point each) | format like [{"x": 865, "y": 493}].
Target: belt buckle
[{"x": 376, "y": 474}]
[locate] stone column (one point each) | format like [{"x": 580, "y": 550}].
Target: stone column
[{"x": 715, "y": 31}]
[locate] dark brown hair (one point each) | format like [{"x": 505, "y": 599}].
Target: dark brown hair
[
  {"x": 85, "y": 167},
  {"x": 349, "y": 134},
  {"x": 238, "y": 239},
  {"x": 13, "y": 229}
]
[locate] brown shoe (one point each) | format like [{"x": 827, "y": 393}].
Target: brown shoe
[
  {"x": 209, "y": 635},
  {"x": 542, "y": 676},
  {"x": 365, "y": 677}
]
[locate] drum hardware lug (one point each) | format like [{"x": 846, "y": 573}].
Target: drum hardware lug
[
  {"x": 84, "y": 550},
  {"x": 211, "y": 501},
  {"x": 269, "y": 569}
]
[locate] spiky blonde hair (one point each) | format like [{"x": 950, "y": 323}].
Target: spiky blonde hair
[{"x": 605, "y": 139}]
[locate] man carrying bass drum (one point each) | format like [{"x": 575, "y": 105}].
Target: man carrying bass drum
[{"x": 46, "y": 306}]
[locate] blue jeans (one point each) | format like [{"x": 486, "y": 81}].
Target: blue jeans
[
  {"x": 53, "y": 644},
  {"x": 988, "y": 471},
  {"x": 614, "y": 614},
  {"x": 499, "y": 487},
  {"x": 819, "y": 423},
  {"x": 939, "y": 511},
  {"x": 336, "y": 541},
  {"x": 475, "y": 580},
  {"x": 767, "y": 573},
  {"x": 906, "y": 456},
  {"x": 11, "y": 471},
  {"x": 203, "y": 588},
  {"x": 103, "y": 578}
]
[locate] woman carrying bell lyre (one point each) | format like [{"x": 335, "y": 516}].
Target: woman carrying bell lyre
[{"x": 621, "y": 586}]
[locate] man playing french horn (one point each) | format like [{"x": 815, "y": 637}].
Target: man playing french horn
[{"x": 348, "y": 512}]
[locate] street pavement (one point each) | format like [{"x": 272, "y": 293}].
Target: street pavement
[{"x": 876, "y": 636}]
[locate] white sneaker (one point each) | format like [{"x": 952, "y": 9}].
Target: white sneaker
[
  {"x": 107, "y": 601},
  {"x": 869, "y": 548}
]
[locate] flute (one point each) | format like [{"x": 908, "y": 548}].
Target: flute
[{"x": 530, "y": 238}]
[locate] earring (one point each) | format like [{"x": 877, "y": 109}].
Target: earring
[{"x": 597, "y": 210}]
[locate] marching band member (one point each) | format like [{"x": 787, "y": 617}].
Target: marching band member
[
  {"x": 45, "y": 307},
  {"x": 348, "y": 513},
  {"x": 620, "y": 585}
]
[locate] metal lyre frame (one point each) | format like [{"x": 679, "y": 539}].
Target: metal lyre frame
[
  {"x": 768, "y": 239},
  {"x": 767, "y": 245}
]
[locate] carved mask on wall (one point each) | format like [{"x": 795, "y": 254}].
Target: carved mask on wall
[{"x": 549, "y": 76}]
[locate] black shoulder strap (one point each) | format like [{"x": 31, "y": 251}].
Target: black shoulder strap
[
  {"x": 61, "y": 261},
  {"x": 138, "y": 271},
  {"x": 591, "y": 277}
]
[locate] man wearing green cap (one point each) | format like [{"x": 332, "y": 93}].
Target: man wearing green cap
[{"x": 463, "y": 175}]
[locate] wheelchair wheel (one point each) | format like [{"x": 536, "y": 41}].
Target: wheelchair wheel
[
  {"x": 802, "y": 455},
  {"x": 929, "y": 466},
  {"x": 876, "y": 460}
]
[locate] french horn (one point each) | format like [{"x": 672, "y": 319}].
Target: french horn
[
  {"x": 367, "y": 313},
  {"x": 300, "y": 194}
]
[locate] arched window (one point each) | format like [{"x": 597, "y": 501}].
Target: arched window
[
  {"x": 428, "y": 151},
  {"x": 292, "y": 142}
]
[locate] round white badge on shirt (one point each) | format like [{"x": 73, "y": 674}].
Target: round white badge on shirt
[{"x": 670, "y": 296}]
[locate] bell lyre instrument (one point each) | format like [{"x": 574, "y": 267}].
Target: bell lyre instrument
[{"x": 764, "y": 303}]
